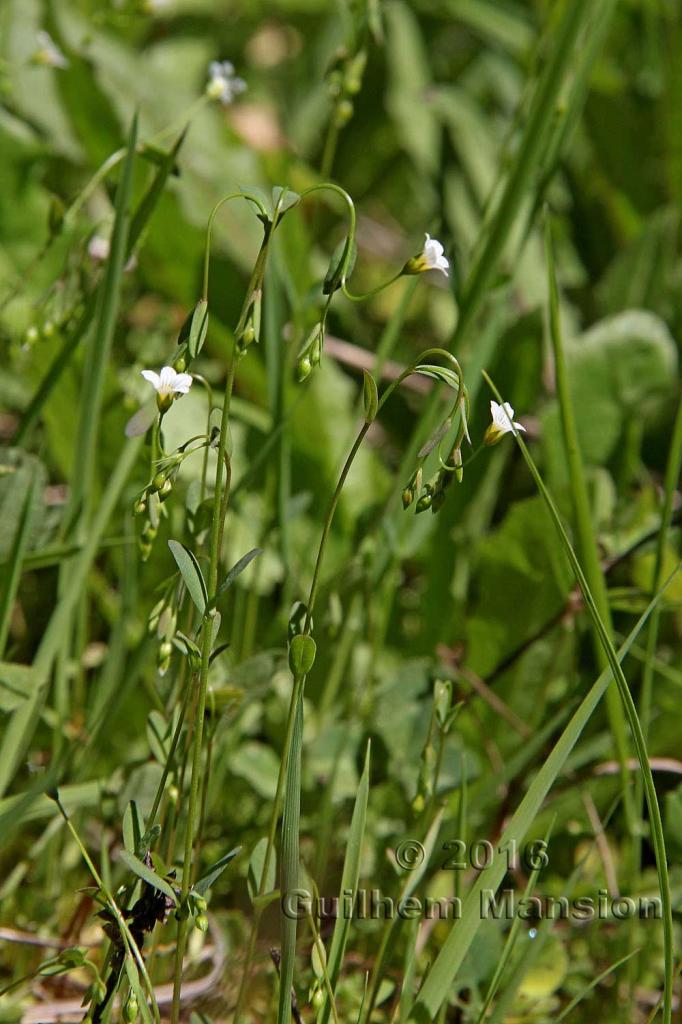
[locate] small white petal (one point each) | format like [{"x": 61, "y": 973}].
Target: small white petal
[
  {"x": 152, "y": 377},
  {"x": 182, "y": 383}
]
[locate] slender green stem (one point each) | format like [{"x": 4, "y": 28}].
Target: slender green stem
[
  {"x": 220, "y": 504},
  {"x": 587, "y": 542}
]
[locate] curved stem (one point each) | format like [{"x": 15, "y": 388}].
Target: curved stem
[
  {"x": 373, "y": 291},
  {"x": 209, "y": 228}
]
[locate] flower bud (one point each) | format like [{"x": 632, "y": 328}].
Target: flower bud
[
  {"x": 140, "y": 507},
  {"x": 343, "y": 113},
  {"x": 145, "y": 548},
  {"x": 130, "y": 1009},
  {"x": 303, "y": 368},
  {"x": 180, "y": 364},
  {"x": 149, "y": 533},
  {"x": 158, "y": 481},
  {"x": 32, "y": 335},
  {"x": 48, "y": 328},
  {"x": 165, "y": 490},
  {"x": 201, "y": 921},
  {"x": 165, "y": 649},
  {"x": 426, "y": 499},
  {"x": 408, "y": 496}
]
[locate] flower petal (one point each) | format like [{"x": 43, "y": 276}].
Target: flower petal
[
  {"x": 182, "y": 383},
  {"x": 152, "y": 377}
]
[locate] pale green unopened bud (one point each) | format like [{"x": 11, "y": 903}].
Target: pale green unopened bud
[
  {"x": 201, "y": 921},
  {"x": 165, "y": 490},
  {"x": 140, "y": 507},
  {"x": 130, "y": 1010},
  {"x": 426, "y": 499},
  {"x": 303, "y": 369},
  {"x": 408, "y": 496},
  {"x": 343, "y": 113}
]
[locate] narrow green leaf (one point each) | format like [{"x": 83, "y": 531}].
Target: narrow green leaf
[
  {"x": 657, "y": 837},
  {"x": 191, "y": 574},
  {"x": 438, "y": 983},
  {"x": 238, "y": 568},
  {"x": 147, "y": 875},
  {"x": 290, "y": 864},
  {"x": 370, "y": 396},
  {"x": 166, "y": 166},
  {"x": 255, "y": 872},
  {"x": 349, "y": 882},
  {"x": 12, "y": 570},
  {"x": 214, "y": 872},
  {"x": 133, "y": 827}
]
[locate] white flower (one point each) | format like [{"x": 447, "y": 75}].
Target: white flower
[
  {"x": 223, "y": 84},
  {"x": 503, "y": 423},
  {"x": 167, "y": 385},
  {"x": 99, "y": 248},
  {"x": 48, "y": 53},
  {"x": 433, "y": 256}
]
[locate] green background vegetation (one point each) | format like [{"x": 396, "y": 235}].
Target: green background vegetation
[{"x": 470, "y": 117}]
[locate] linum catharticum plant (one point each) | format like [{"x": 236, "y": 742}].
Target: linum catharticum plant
[{"x": 197, "y": 643}]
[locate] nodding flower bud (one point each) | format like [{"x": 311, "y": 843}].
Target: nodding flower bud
[
  {"x": 426, "y": 499},
  {"x": 145, "y": 548},
  {"x": 408, "y": 496},
  {"x": 180, "y": 364},
  {"x": 158, "y": 481},
  {"x": 165, "y": 490},
  {"x": 130, "y": 1010},
  {"x": 355, "y": 69},
  {"x": 201, "y": 921},
  {"x": 343, "y": 113},
  {"x": 303, "y": 368},
  {"x": 140, "y": 507},
  {"x": 412, "y": 488},
  {"x": 150, "y": 531},
  {"x": 251, "y": 329}
]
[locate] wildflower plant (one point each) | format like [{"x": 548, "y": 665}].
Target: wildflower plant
[{"x": 273, "y": 678}]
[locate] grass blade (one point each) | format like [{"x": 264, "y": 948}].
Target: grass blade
[
  {"x": 349, "y": 881},
  {"x": 290, "y": 872},
  {"x": 657, "y": 837},
  {"x": 587, "y": 542},
  {"x": 437, "y": 985},
  {"x": 12, "y": 571}
]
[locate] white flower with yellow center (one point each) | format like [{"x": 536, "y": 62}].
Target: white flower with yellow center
[
  {"x": 503, "y": 423},
  {"x": 223, "y": 84},
  {"x": 433, "y": 256},
  {"x": 48, "y": 53},
  {"x": 430, "y": 258},
  {"x": 167, "y": 385}
]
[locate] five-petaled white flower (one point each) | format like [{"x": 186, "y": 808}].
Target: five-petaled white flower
[
  {"x": 433, "y": 256},
  {"x": 167, "y": 385},
  {"x": 48, "y": 53},
  {"x": 223, "y": 84},
  {"x": 503, "y": 423}
]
